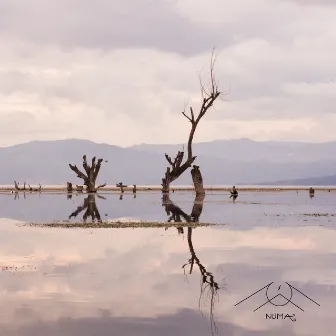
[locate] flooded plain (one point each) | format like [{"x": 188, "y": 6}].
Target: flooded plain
[{"x": 125, "y": 280}]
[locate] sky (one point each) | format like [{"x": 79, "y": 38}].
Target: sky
[{"x": 121, "y": 72}]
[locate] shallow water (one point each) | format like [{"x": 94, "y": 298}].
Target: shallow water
[{"x": 61, "y": 281}]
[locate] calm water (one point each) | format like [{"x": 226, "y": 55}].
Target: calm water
[{"x": 61, "y": 281}]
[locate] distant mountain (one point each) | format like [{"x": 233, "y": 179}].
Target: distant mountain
[
  {"x": 329, "y": 180},
  {"x": 47, "y": 162},
  {"x": 249, "y": 150}
]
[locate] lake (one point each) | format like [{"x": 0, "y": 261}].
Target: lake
[{"x": 97, "y": 280}]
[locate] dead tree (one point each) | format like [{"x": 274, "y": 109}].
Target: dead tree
[
  {"x": 178, "y": 166},
  {"x": 197, "y": 180},
  {"x": 91, "y": 209},
  {"x": 91, "y": 173},
  {"x": 17, "y": 188}
]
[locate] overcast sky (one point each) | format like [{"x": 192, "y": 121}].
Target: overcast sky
[{"x": 120, "y": 71}]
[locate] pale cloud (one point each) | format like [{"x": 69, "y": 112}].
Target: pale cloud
[{"x": 120, "y": 72}]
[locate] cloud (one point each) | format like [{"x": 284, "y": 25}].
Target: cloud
[
  {"x": 127, "y": 68},
  {"x": 81, "y": 275}
]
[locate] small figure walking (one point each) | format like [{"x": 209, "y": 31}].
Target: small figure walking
[{"x": 234, "y": 193}]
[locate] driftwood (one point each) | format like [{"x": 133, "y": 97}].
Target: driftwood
[
  {"x": 35, "y": 189},
  {"x": 91, "y": 173},
  {"x": 178, "y": 166},
  {"x": 79, "y": 188},
  {"x": 17, "y": 188}
]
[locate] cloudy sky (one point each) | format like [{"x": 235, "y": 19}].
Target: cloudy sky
[{"x": 120, "y": 71}]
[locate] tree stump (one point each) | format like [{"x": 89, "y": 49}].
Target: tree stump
[
  {"x": 197, "y": 180},
  {"x": 91, "y": 173},
  {"x": 69, "y": 187}
]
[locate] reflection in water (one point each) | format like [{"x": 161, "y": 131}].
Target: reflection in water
[
  {"x": 311, "y": 192},
  {"x": 91, "y": 208},
  {"x": 234, "y": 197},
  {"x": 209, "y": 287},
  {"x": 16, "y": 195}
]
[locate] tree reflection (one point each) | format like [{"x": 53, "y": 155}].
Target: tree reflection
[
  {"x": 90, "y": 208},
  {"x": 209, "y": 287}
]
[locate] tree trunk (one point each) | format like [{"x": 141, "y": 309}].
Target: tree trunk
[
  {"x": 69, "y": 187},
  {"x": 197, "y": 180},
  {"x": 166, "y": 184}
]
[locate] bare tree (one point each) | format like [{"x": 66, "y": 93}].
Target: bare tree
[
  {"x": 90, "y": 208},
  {"x": 17, "y": 188},
  {"x": 177, "y": 166},
  {"x": 91, "y": 173}
]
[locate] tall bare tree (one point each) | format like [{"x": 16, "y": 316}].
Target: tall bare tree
[
  {"x": 91, "y": 173},
  {"x": 178, "y": 166}
]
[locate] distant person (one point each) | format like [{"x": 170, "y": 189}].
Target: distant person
[
  {"x": 234, "y": 191},
  {"x": 234, "y": 194}
]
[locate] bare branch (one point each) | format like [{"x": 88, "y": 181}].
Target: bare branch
[
  {"x": 97, "y": 168},
  {"x": 85, "y": 165},
  {"x": 168, "y": 158},
  {"x": 187, "y": 117},
  {"x": 101, "y": 186},
  {"x": 78, "y": 172}
]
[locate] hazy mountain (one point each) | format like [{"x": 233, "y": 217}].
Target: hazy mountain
[
  {"x": 249, "y": 150},
  {"x": 47, "y": 162},
  {"x": 329, "y": 180}
]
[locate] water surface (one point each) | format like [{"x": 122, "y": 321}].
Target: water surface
[{"x": 64, "y": 281}]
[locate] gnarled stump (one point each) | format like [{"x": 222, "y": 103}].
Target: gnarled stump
[{"x": 91, "y": 173}]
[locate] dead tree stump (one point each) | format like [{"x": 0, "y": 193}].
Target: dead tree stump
[
  {"x": 197, "y": 180},
  {"x": 69, "y": 187},
  {"x": 91, "y": 173}
]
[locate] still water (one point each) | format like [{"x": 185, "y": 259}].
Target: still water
[{"x": 169, "y": 281}]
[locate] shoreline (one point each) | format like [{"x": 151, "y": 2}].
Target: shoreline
[{"x": 173, "y": 189}]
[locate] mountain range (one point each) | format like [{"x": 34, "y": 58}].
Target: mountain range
[{"x": 222, "y": 162}]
